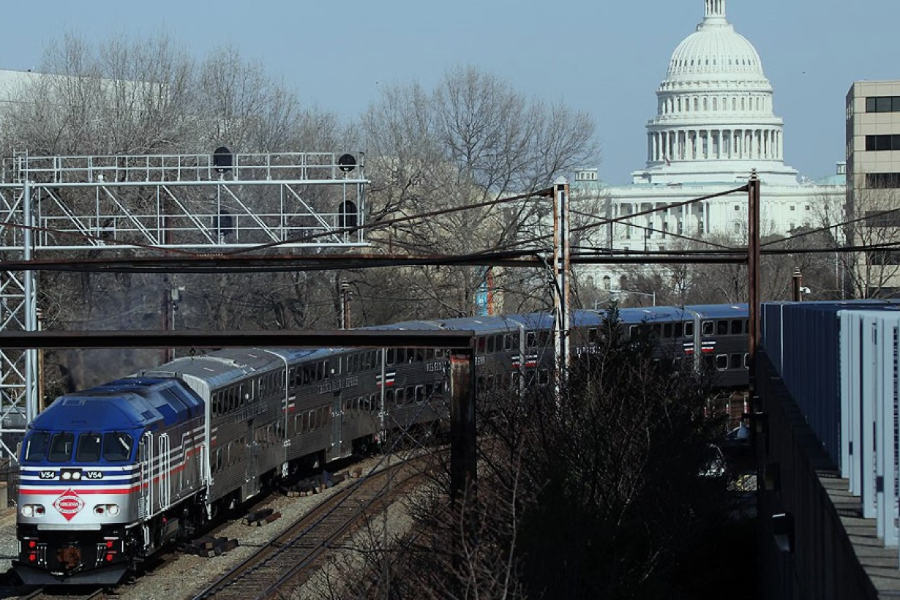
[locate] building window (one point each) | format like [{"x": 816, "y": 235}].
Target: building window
[
  {"x": 878, "y": 143},
  {"x": 883, "y": 180},
  {"x": 737, "y": 207},
  {"x": 883, "y": 104},
  {"x": 878, "y": 218},
  {"x": 793, "y": 208}
]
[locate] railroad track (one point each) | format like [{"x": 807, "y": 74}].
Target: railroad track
[{"x": 290, "y": 558}]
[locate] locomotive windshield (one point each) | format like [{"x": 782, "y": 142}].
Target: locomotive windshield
[
  {"x": 36, "y": 446},
  {"x": 57, "y": 447}
]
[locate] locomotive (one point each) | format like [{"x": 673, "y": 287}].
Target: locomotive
[{"x": 111, "y": 474}]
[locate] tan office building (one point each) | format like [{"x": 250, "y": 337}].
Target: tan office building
[{"x": 873, "y": 187}]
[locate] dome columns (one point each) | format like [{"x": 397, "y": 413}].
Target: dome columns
[{"x": 686, "y": 144}]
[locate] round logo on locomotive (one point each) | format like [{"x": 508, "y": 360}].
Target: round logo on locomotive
[{"x": 69, "y": 504}]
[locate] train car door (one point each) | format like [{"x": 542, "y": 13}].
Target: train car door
[
  {"x": 164, "y": 466},
  {"x": 337, "y": 423},
  {"x": 145, "y": 459},
  {"x": 251, "y": 479}
]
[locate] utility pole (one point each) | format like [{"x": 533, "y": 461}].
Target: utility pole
[
  {"x": 561, "y": 264},
  {"x": 345, "y": 305},
  {"x": 753, "y": 274},
  {"x": 797, "y": 285}
]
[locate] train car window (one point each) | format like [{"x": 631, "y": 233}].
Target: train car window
[
  {"x": 721, "y": 362},
  {"x": 530, "y": 339},
  {"x": 438, "y": 353},
  {"x": 736, "y": 360},
  {"x": 88, "y": 447},
  {"x": 490, "y": 344},
  {"x": 391, "y": 352},
  {"x": 689, "y": 330},
  {"x": 389, "y": 397},
  {"x": 632, "y": 332},
  {"x": 746, "y": 360},
  {"x": 374, "y": 402},
  {"x": 667, "y": 330},
  {"x": 312, "y": 420},
  {"x": 401, "y": 355},
  {"x": 544, "y": 377},
  {"x": 657, "y": 331},
  {"x": 218, "y": 465},
  {"x": 420, "y": 394},
  {"x": 36, "y": 446},
  {"x": 378, "y": 359},
  {"x": 544, "y": 339},
  {"x": 481, "y": 347},
  {"x": 707, "y": 327},
  {"x": 61, "y": 445},
  {"x": 678, "y": 330},
  {"x": 420, "y": 354},
  {"x": 398, "y": 397},
  {"x": 721, "y": 327},
  {"x": 737, "y": 327},
  {"x": 592, "y": 335},
  {"x": 429, "y": 353}
]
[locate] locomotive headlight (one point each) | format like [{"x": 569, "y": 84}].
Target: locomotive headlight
[
  {"x": 76, "y": 475},
  {"x": 108, "y": 509},
  {"x": 33, "y": 510},
  {"x": 66, "y": 474}
]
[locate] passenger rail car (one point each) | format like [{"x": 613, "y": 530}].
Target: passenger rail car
[{"x": 111, "y": 474}]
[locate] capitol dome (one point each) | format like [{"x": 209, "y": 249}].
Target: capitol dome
[{"x": 715, "y": 120}]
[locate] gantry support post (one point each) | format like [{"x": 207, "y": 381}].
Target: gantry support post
[{"x": 462, "y": 424}]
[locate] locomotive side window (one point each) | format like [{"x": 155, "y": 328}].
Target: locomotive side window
[
  {"x": 391, "y": 355},
  {"x": 88, "y": 447},
  {"x": 736, "y": 360},
  {"x": 721, "y": 327},
  {"x": 707, "y": 327},
  {"x": 737, "y": 327},
  {"x": 61, "y": 447},
  {"x": 36, "y": 446},
  {"x": 667, "y": 330},
  {"x": 398, "y": 395},
  {"x": 689, "y": 329},
  {"x": 491, "y": 344},
  {"x": 530, "y": 339},
  {"x": 679, "y": 330},
  {"x": 481, "y": 345}
]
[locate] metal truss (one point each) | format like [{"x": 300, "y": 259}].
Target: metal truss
[{"x": 153, "y": 204}]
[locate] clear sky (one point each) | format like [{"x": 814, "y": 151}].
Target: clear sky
[{"x": 605, "y": 57}]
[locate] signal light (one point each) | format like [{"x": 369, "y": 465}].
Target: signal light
[
  {"x": 109, "y": 557},
  {"x": 32, "y": 557},
  {"x": 32, "y": 544},
  {"x": 109, "y": 543}
]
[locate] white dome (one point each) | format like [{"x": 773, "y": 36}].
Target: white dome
[
  {"x": 714, "y": 50},
  {"x": 715, "y": 120}
]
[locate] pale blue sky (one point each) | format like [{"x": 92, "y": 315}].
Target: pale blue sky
[{"x": 606, "y": 58}]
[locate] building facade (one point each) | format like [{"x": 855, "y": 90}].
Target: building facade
[
  {"x": 715, "y": 124},
  {"x": 873, "y": 185}
]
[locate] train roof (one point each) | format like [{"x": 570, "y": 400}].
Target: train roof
[
  {"x": 223, "y": 367},
  {"x": 130, "y": 403},
  {"x": 719, "y": 311}
]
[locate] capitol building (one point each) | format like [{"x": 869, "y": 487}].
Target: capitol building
[{"x": 715, "y": 124}]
